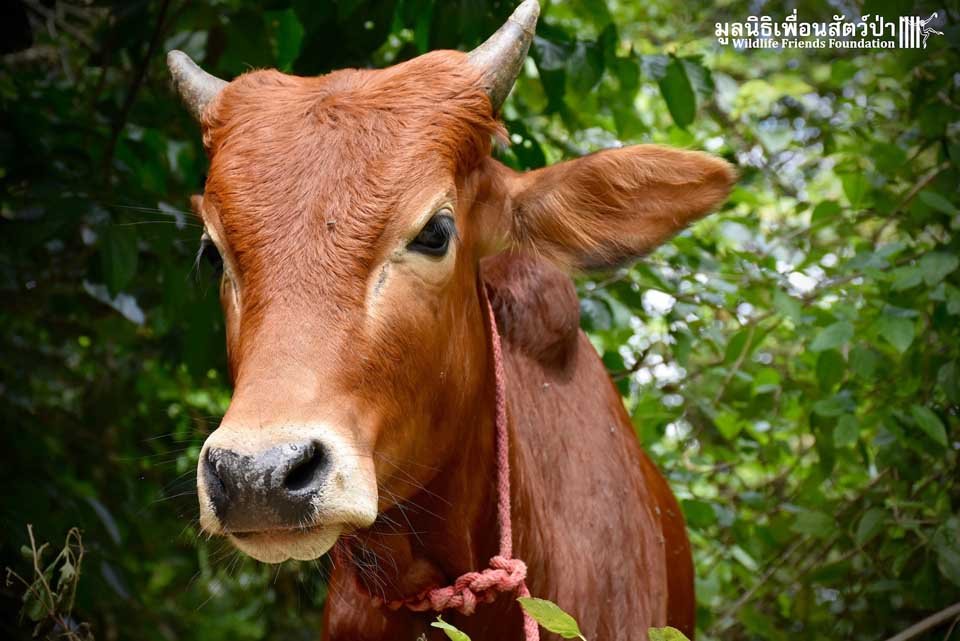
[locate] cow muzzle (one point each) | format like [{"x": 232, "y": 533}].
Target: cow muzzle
[{"x": 285, "y": 492}]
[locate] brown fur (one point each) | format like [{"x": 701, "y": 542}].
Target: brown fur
[{"x": 313, "y": 183}]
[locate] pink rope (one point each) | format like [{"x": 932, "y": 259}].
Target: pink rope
[{"x": 505, "y": 574}]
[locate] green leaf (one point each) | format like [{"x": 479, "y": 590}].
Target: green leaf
[
  {"x": 812, "y": 523},
  {"x": 700, "y": 78},
  {"x": 905, "y": 277},
  {"x": 825, "y": 212},
  {"x": 666, "y": 634},
  {"x": 699, "y": 514},
  {"x": 584, "y": 67},
  {"x": 936, "y": 266},
  {"x": 286, "y": 37},
  {"x": 896, "y": 331},
  {"x": 736, "y": 345},
  {"x": 930, "y": 424},
  {"x": 728, "y": 424},
  {"x": 832, "y": 337},
  {"x": 787, "y": 305},
  {"x": 549, "y": 615},
  {"x": 948, "y": 379},
  {"x": 678, "y": 93},
  {"x": 452, "y": 633},
  {"x": 846, "y": 432},
  {"x": 830, "y": 369},
  {"x": 935, "y": 201},
  {"x": 855, "y": 188},
  {"x": 865, "y": 362},
  {"x": 118, "y": 256},
  {"x": 946, "y": 543},
  {"x": 870, "y": 524},
  {"x": 595, "y": 314}
]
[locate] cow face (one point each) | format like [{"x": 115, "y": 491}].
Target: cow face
[{"x": 349, "y": 213}]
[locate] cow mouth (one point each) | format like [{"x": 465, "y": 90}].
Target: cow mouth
[
  {"x": 300, "y": 529},
  {"x": 278, "y": 545}
]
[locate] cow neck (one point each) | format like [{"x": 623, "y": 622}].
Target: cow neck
[{"x": 504, "y": 573}]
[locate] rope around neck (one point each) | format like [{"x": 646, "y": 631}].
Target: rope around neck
[{"x": 505, "y": 573}]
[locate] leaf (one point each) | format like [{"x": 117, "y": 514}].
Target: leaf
[
  {"x": 948, "y": 378},
  {"x": 452, "y": 633},
  {"x": 832, "y": 337},
  {"x": 700, "y": 78},
  {"x": 855, "y": 188},
  {"x": 788, "y": 306},
  {"x": 905, "y": 277},
  {"x": 936, "y": 266},
  {"x": 930, "y": 423},
  {"x": 815, "y": 524},
  {"x": 286, "y": 37},
  {"x": 896, "y": 331},
  {"x": 118, "y": 256},
  {"x": 736, "y": 345},
  {"x": 946, "y": 543},
  {"x": 666, "y": 634},
  {"x": 870, "y": 524},
  {"x": 825, "y": 212},
  {"x": 678, "y": 94},
  {"x": 584, "y": 67},
  {"x": 865, "y": 362},
  {"x": 595, "y": 314},
  {"x": 830, "y": 369},
  {"x": 728, "y": 424},
  {"x": 935, "y": 201},
  {"x": 550, "y": 616},
  {"x": 699, "y": 514},
  {"x": 846, "y": 432}
]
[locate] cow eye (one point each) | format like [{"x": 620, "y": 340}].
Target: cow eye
[
  {"x": 209, "y": 254},
  {"x": 434, "y": 238}
]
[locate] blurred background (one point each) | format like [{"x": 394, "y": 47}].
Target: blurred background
[{"x": 792, "y": 363}]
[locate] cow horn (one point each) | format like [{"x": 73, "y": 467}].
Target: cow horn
[
  {"x": 502, "y": 55},
  {"x": 195, "y": 86}
]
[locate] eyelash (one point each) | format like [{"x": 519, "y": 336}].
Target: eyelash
[
  {"x": 209, "y": 253},
  {"x": 434, "y": 238}
]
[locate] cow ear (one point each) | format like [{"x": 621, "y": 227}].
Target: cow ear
[{"x": 609, "y": 208}]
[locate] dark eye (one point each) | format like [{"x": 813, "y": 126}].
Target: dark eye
[
  {"x": 434, "y": 238},
  {"x": 210, "y": 255}
]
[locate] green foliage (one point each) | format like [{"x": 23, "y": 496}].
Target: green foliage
[
  {"x": 793, "y": 361},
  {"x": 451, "y": 631},
  {"x": 666, "y": 634},
  {"x": 50, "y": 591},
  {"x": 549, "y": 615}
]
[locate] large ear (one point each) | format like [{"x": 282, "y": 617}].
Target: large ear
[{"x": 608, "y": 208}]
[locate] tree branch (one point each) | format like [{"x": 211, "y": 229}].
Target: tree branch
[
  {"x": 931, "y": 621},
  {"x": 138, "y": 77}
]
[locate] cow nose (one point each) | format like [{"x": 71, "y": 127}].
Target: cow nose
[{"x": 272, "y": 489}]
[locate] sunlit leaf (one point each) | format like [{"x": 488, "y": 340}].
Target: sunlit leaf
[
  {"x": 551, "y": 617},
  {"x": 666, "y": 634},
  {"x": 452, "y": 632}
]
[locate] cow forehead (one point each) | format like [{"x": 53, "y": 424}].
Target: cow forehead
[{"x": 317, "y": 169}]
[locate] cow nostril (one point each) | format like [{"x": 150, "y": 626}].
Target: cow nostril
[
  {"x": 309, "y": 472},
  {"x": 216, "y": 490}
]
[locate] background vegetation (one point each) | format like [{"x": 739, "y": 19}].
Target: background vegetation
[{"x": 792, "y": 362}]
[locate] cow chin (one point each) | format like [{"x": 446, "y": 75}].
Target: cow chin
[{"x": 282, "y": 545}]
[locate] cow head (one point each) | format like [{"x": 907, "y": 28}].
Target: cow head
[{"x": 349, "y": 213}]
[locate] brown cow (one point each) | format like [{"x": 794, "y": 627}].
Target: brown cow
[{"x": 357, "y": 216}]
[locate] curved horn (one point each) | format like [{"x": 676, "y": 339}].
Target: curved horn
[
  {"x": 195, "y": 86},
  {"x": 502, "y": 55}
]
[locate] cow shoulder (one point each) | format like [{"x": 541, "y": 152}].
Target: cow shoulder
[{"x": 535, "y": 305}]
